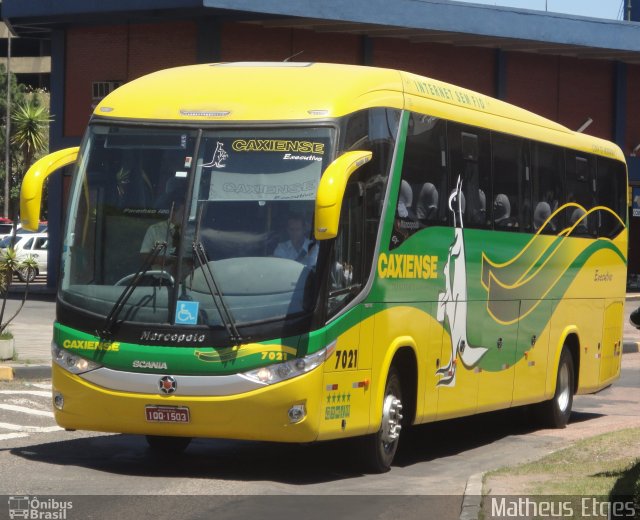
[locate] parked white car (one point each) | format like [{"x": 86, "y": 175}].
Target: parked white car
[
  {"x": 34, "y": 244},
  {"x": 6, "y": 229}
]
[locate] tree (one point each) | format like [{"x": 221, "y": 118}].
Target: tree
[
  {"x": 29, "y": 122},
  {"x": 17, "y": 96}
]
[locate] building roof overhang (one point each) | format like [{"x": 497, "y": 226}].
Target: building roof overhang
[{"x": 438, "y": 21}]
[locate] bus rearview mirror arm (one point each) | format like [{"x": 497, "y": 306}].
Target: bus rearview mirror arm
[
  {"x": 331, "y": 192},
  {"x": 33, "y": 181}
]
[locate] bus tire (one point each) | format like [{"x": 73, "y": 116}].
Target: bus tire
[
  {"x": 379, "y": 449},
  {"x": 167, "y": 445},
  {"x": 555, "y": 413}
]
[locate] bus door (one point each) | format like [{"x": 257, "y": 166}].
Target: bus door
[{"x": 346, "y": 395}]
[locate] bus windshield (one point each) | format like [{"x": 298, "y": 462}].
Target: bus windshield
[{"x": 243, "y": 199}]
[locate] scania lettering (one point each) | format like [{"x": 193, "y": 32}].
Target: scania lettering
[{"x": 158, "y": 365}]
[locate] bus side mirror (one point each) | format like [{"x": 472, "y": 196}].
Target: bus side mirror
[
  {"x": 331, "y": 192},
  {"x": 33, "y": 181}
]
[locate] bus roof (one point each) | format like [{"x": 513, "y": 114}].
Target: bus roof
[{"x": 295, "y": 91}]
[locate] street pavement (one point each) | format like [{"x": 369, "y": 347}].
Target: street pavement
[
  {"x": 33, "y": 330},
  {"x": 439, "y": 460}
]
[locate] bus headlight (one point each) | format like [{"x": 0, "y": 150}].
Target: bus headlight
[
  {"x": 281, "y": 371},
  {"x": 71, "y": 362}
]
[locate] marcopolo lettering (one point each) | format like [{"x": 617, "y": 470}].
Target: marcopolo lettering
[{"x": 172, "y": 337}]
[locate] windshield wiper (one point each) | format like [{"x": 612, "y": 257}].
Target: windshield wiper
[
  {"x": 106, "y": 332},
  {"x": 214, "y": 289}
]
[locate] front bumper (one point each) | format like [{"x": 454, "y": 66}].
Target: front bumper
[{"x": 260, "y": 414}]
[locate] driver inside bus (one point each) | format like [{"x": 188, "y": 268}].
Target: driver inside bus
[
  {"x": 298, "y": 247},
  {"x": 165, "y": 231}
]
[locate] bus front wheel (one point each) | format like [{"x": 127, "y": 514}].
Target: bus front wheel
[
  {"x": 555, "y": 413},
  {"x": 379, "y": 449}
]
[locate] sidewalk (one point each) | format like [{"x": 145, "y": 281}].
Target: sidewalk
[{"x": 33, "y": 329}]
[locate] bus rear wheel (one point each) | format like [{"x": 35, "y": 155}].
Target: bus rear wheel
[
  {"x": 379, "y": 449},
  {"x": 555, "y": 413},
  {"x": 168, "y": 445}
]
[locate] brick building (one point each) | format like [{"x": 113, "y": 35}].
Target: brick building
[{"x": 569, "y": 69}]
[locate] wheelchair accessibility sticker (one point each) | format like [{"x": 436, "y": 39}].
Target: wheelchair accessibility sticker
[{"x": 187, "y": 313}]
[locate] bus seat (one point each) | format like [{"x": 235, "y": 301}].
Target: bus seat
[
  {"x": 579, "y": 222},
  {"x": 541, "y": 214},
  {"x": 405, "y": 200},
  {"x": 427, "y": 202},
  {"x": 173, "y": 185},
  {"x": 502, "y": 212}
]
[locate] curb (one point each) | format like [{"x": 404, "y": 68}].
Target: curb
[
  {"x": 630, "y": 347},
  {"x": 27, "y": 372},
  {"x": 472, "y": 497}
]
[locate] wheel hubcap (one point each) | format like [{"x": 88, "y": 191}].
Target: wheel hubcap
[
  {"x": 565, "y": 391},
  {"x": 391, "y": 419}
]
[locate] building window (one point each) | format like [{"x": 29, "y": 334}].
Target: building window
[{"x": 102, "y": 89}]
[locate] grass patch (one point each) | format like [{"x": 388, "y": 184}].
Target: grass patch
[{"x": 596, "y": 466}]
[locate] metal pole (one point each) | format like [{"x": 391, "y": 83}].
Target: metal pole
[
  {"x": 629, "y": 10},
  {"x": 7, "y": 148}
]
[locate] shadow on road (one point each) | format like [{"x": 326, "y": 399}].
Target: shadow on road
[{"x": 276, "y": 462}]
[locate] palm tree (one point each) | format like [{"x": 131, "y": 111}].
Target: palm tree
[{"x": 29, "y": 121}]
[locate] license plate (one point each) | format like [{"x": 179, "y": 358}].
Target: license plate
[{"x": 167, "y": 414}]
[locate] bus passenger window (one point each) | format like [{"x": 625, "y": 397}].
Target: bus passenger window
[
  {"x": 470, "y": 157},
  {"x": 611, "y": 192},
  {"x": 511, "y": 204},
  {"x": 547, "y": 165},
  {"x": 580, "y": 171},
  {"x": 424, "y": 176}
]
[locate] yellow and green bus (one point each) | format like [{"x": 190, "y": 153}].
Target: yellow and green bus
[{"x": 299, "y": 252}]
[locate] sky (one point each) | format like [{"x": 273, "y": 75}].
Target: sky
[{"x": 611, "y": 9}]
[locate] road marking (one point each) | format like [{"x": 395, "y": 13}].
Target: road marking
[
  {"x": 30, "y": 429},
  {"x": 39, "y": 393},
  {"x": 24, "y": 409},
  {"x": 45, "y": 386},
  {"x": 5, "y": 436}
]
